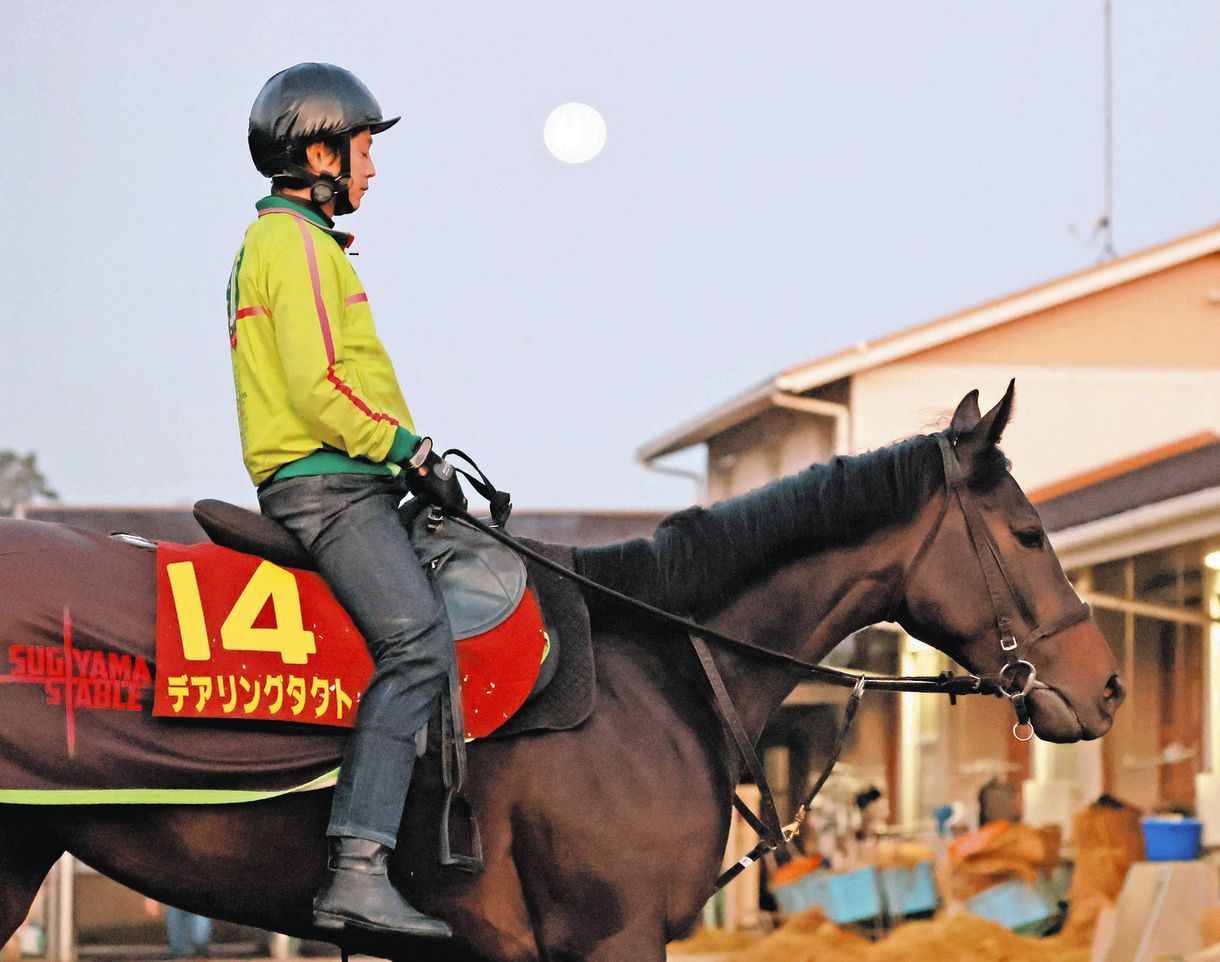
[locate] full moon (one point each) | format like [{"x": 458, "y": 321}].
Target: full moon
[{"x": 574, "y": 133}]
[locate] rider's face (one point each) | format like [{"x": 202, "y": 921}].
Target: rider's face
[
  {"x": 322, "y": 160},
  {"x": 362, "y": 167}
]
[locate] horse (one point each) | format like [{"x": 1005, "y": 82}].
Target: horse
[{"x": 603, "y": 842}]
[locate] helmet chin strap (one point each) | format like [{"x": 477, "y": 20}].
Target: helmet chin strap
[
  {"x": 343, "y": 200},
  {"x": 324, "y": 187},
  {"x": 342, "y": 183},
  {"x": 327, "y": 188}
]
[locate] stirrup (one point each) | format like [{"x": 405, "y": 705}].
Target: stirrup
[{"x": 472, "y": 862}]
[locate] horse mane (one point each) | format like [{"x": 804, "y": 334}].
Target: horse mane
[{"x": 698, "y": 556}]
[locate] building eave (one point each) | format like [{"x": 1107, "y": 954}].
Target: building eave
[
  {"x": 1148, "y": 528},
  {"x": 866, "y": 355},
  {"x": 732, "y": 412}
]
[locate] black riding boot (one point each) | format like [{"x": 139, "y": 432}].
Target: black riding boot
[{"x": 357, "y": 892}]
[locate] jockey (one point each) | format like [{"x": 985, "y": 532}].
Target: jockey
[{"x": 329, "y": 442}]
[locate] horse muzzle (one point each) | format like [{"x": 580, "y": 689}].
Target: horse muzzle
[{"x": 1062, "y": 715}]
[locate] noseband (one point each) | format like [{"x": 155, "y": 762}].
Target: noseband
[{"x": 1018, "y": 676}]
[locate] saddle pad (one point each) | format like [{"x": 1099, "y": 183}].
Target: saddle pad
[
  {"x": 239, "y": 637},
  {"x": 570, "y": 696}
]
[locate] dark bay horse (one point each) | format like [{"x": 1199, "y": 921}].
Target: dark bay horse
[{"x": 603, "y": 842}]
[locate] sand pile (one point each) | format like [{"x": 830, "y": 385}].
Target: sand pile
[
  {"x": 713, "y": 941},
  {"x": 968, "y": 938},
  {"x": 807, "y": 937},
  {"x": 1108, "y": 841},
  {"x": 1000, "y": 852},
  {"x": 810, "y": 937}
]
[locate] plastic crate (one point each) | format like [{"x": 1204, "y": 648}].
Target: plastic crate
[
  {"x": 848, "y": 897},
  {"x": 909, "y": 891},
  {"x": 806, "y": 892},
  {"x": 1025, "y": 909},
  {"x": 853, "y": 896}
]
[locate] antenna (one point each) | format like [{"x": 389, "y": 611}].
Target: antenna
[
  {"x": 1105, "y": 223},
  {"x": 1103, "y": 228}
]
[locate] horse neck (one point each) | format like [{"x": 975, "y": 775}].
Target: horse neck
[{"x": 804, "y": 609}]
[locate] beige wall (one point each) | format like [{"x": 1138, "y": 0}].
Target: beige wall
[
  {"x": 777, "y": 443},
  {"x": 1111, "y": 375},
  {"x": 1067, "y": 422},
  {"x": 1166, "y": 320}
]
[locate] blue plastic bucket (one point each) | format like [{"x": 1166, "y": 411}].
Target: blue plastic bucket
[{"x": 1171, "y": 839}]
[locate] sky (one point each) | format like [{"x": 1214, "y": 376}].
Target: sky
[{"x": 780, "y": 180}]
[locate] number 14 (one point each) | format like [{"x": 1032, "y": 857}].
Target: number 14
[{"x": 289, "y": 637}]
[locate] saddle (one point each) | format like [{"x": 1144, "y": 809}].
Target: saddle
[
  {"x": 482, "y": 583},
  {"x": 481, "y": 580}
]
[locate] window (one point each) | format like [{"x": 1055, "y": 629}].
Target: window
[{"x": 1152, "y": 610}]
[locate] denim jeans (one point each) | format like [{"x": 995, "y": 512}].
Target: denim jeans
[
  {"x": 189, "y": 935},
  {"x": 350, "y": 524}
]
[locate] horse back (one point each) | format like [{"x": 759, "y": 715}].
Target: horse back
[{"x": 106, "y": 589}]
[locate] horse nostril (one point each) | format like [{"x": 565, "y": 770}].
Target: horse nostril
[{"x": 1114, "y": 692}]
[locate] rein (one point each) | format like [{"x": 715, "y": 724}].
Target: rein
[{"x": 1015, "y": 680}]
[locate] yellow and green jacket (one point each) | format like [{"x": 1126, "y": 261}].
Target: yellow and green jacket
[{"x": 316, "y": 392}]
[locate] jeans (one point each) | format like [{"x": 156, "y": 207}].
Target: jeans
[
  {"x": 350, "y": 524},
  {"x": 189, "y": 934}
]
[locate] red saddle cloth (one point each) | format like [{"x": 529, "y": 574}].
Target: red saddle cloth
[{"x": 241, "y": 638}]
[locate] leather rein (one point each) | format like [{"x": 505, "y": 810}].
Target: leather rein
[{"x": 1014, "y": 681}]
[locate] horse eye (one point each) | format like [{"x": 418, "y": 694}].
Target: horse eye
[{"x": 1031, "y": 537}]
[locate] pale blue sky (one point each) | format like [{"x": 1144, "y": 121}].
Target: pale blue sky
[{"x": 780, "y": 180}]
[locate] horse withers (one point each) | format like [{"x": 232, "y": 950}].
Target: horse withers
[{"x": 603, "y": 842}]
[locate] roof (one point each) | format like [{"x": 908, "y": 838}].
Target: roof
[
  {"x": 744, "y": 406},
  {"x": 1178, "y": 470},
  {"x": 157, "y": 524},
  {"x": 866, "y": 355},
  {"x": 580, "y": 528},
  {"x": 584, "y": 528}
]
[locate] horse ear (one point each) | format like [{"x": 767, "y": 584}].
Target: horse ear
[
  {"x": 995, "y": 420},
  {"x": 966, "y": 417}
]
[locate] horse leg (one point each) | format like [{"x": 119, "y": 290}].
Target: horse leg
[{"x": 27, "y": 852}]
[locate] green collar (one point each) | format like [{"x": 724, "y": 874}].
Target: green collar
[{"x": 276, "y": 204}]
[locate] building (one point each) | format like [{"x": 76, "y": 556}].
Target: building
[{"x": 1115, "y": 439}]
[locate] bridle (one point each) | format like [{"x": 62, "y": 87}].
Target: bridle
[
  {"x": 1018, "y": 676},
  {"x": 1014, "y": 681}
]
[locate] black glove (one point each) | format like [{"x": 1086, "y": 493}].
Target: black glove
[{"x": 432, "y": 479}]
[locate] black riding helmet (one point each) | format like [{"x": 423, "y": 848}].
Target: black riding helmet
[{"x": 305, "y": 104}]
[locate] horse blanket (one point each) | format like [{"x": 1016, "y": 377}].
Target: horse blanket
[{"x": 78, "y": 623}]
